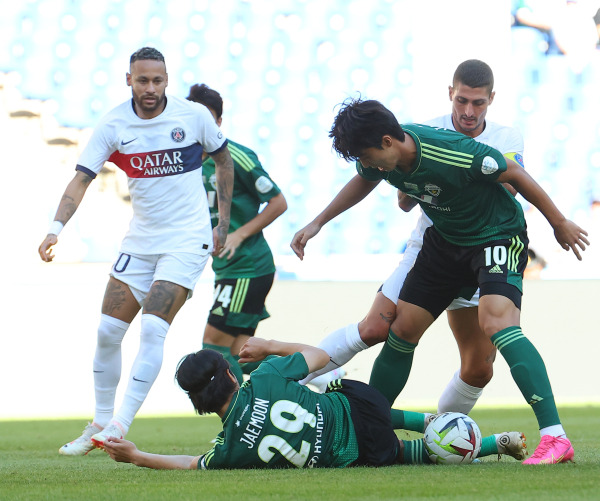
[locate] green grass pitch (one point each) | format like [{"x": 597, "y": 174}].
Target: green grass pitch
[{"x": 32, "y": 469}]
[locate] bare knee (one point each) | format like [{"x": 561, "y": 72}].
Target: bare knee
[
  {"x": 411, "y": 322},
  {"x": 477, "y": 375},
  {"x": 212, "y": 335},
  {"x": 373, "y": 331},
  {"x": 477, "y": 361}
]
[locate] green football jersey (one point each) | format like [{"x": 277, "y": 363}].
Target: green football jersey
[
  {"x": 252, "y": 186},
  {"x": 274, "y": 422},
  {"x": 454, "y": 182}
]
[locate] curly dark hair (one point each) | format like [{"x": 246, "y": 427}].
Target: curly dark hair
[
  {"x": 204, "y": 377},
  {"x": 203, "y": 94},
  {"x": 360, "y": 125}
]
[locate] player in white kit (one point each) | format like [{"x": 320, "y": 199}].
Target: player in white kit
[
  {"x": 158, "y": 141},
  {"x": 471, "y": 93}
]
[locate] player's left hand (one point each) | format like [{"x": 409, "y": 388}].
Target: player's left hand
[
  {"x": 233, "y": 241},
  {"x": 570, "y": 237},
  {"x": 254, "y": 350},
  {"x": 120, "y": 450}
]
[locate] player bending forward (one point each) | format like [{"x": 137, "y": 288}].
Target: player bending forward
[
  {"x": 272, "y": 421},
  {"x": 478, "y": 239}
]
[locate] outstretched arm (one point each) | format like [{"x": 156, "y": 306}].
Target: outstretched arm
[
  {"x": 355, "y": 190},
  {"x": 274, "y": 208},
  {"x": 224, "y": 174},
  {"x": 124, "y": 451},
  {"x": 256, "y": 349},
  {"x": 567, "y": 233},
  {"x": 68, "y": 205}
]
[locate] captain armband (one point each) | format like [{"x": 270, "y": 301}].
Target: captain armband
[{"x": 515, "y": 157}]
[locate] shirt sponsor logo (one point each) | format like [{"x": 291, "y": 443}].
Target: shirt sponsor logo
[
  {"x": 170, "y": 162},
  {"x": 263, "y": 184},
  {"x": 489, "y": 165},
  {"x": 152, "y": 164},
  {"x": 178, "y": 134},
  {"x": 318, "y": 446},
  {"x": 428, "y": 199}
]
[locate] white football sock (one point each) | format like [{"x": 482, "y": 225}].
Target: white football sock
[
  {"x": 107, "y": 367},
  {"x": 341, "y": 345},
  {"x": 145, "y": 368},
  {"x": 321, "y": 382},
  {"x": 556, "y": 430},
  {"x": 458, "y": 396}
]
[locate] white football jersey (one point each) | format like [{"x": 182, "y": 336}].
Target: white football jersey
[
  {"x": 162, "y": 158},
  {"x": 504, "y": 139}
]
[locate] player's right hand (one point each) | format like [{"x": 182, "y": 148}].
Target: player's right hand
[
  {"x": 120, "y": 450},
  {"x": 45, "y": 248},
  {"x": 302, "y": 237},
  {"x": 254, "y": 350}
]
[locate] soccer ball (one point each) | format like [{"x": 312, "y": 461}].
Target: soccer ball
[{"x": 452, "y": 438}]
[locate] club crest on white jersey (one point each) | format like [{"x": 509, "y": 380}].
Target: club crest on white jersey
[{"x": 178, "y": 134}]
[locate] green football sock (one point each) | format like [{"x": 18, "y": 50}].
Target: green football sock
[
  {"x": 226, "y": 352},
  {"x": 529, "y": 372},
  {"x": 408, "y": 420},
  {"x": 392, "y": 367},
  {"x": 488, "y": 446},
  {"x": 414, "y": 452}
]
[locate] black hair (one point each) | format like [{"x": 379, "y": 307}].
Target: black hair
[
  {"x": 204, "y": 376},
  {"x": 203, "y": 94},
  {"x": 360, "y": 125},
  {"x": 146, "y": 53},
  {"x": 474, "y": 73}
]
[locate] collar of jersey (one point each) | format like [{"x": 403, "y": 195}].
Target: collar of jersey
[
  {"x": 231, "y": 406},
  {"x": 417, "y": 140}
]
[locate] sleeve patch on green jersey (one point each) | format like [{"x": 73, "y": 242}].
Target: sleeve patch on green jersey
[
  {"x": 263, "y": 184},
  {"x": 489, "y": 165}
]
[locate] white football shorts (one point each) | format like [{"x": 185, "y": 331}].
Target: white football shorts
[
  {"x": 392, "y": 286},
  {"x": 139, "y": 272}
]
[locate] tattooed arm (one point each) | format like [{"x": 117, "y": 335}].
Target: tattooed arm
[
  {"x": 224, "y": 172},
  {"x": 68, "y": 205}
]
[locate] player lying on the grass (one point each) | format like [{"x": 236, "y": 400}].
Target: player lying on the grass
[{"x": 272, "y": 421}]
